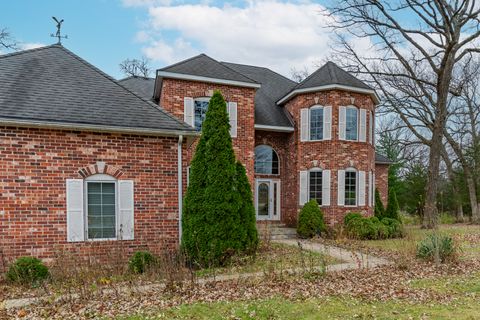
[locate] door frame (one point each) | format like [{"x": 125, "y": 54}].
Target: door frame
[{"x": 271, "y": 198}]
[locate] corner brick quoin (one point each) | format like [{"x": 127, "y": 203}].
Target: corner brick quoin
[{"x": 100, "y": 168}]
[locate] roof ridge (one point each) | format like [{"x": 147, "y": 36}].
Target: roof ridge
[
  {"x": 250, "y": 65},
  {"x": 309, "y": 76},
  {"x": 183, "y": 61},
  {"x": 6, "y": 55},
  {"x": 235, "y": 71},
  {"x": 151, "y": 104},
  {"x": 136, "y": 77}
]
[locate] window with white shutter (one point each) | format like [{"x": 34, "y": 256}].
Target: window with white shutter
[
  {"x": 188, "y": 111},
  {"x": 362, "y": 136},
  {"x": 232, "y": 115},
  {"x": 341, "y": 188},
  {"x": 303, "y": 197},
  {"x": 326, "y": 185},
  {"x": 342, "y": 114},
  {"x": 361, "y": 188},
  {"x": 370, "y": 184},
  {"x": 304, "y": 131},
  {"x": 370, "y": 127},
  {"x": 99, "y": 208},
  {"x": 327, "y": 123}
]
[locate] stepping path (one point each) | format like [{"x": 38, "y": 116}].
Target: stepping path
[{"x": 351, "y": 260}]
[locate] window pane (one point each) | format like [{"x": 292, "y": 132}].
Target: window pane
[
  {"x": 316, "y": 124},
  {"x": 200, "y": 109},
  {"x": 350, "y": 188},
  {"x": 101, "y": 210},
  {"x": 316, "y": 186},
  {"x": 266, "y": 160},
  {"x": 351, "y": 124}
]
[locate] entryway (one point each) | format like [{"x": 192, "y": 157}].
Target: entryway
[{"x": 267, "y": 199}]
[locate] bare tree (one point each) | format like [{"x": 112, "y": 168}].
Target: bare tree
[
  {"x": 412, "y": 63},
  {"x": 6, "y": 40},
  {"x": 298, "y": 75},
  {"x": 136, "y": 67}
]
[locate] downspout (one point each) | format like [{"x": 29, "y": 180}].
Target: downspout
[{"x": 180, "y": 188}]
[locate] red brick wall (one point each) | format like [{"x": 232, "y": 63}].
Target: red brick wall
[
  {"x": 171, "y": 99},
  {"x": 332, "y": 154},
  {"x": 35, "y": 164},
  {"x": 381, "y": 181}
]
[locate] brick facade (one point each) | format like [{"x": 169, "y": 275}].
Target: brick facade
[
  {"x": 33, "y": 171},
  {"x": 381, "y": 181}
]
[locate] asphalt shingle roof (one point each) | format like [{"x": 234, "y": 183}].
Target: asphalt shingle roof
[
  {"x": 140, "y": 85},
  {"x": 51, "y": 84},
  {"x": 204, "y": 66},
  {"x": 273, "y": 87},
  {"x": 328, "y": 74},
  {"x": 381, "y": 159}
]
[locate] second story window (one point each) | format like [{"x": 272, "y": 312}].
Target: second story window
[
  {"x": 200, "y": 110},
  {"x": 316, "y": 123},
  {"x": 351, "y": 124}
]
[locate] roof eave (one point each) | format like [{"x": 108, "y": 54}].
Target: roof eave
[
  {"x": 95, "y": 127},
  {"x": 181, "y": 76},
  {"x": 294, "y": 92}
]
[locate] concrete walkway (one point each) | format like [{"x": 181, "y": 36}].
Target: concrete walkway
[{"x": 351, "y": 260}]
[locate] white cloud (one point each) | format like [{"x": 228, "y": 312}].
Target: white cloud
[
  {"x": 31, "y": 45},
  {"x": 268, "y": 33}
]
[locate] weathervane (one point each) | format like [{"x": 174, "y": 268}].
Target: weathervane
[{"x": 58, "y": 34}]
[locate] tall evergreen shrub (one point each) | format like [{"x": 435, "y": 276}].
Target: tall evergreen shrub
[
  {"x": 379, "y": 208},
  {"x": 217, "y": 219},
  {"x": 247, "y": 210},
  {"x": 393, "y": 209}
]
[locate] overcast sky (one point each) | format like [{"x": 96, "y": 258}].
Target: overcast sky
[{"x": 278, "y": 34}]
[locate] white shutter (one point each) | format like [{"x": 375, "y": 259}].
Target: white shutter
[
  {"x": 232, "y": 115},
  {"x": 303, "y": 197},
  {"x": 341, "y": 188},
  {"x": 361, "y": 188},
  {"x": 325, "y": 187},
  {"x": 125, "y": 210},
  {"x": 363, "y": 126},
  {"x": 342, "y": 118},
  {"x": 304, "y": 132},
  {"x": 370, "y": 127},
  {"x": 188, "y": 111},
  {"x": 370, "y": 188},
  {"x": 373, "y": 189},
  {"x": 75, "y": 215},
  {"x": 327, "y": 123}
]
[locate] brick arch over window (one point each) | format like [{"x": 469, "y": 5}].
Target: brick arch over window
[{"x": 100, "y": 168}]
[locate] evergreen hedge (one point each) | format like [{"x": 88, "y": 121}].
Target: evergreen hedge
[
  {"x": 218, "y": 219},
  {"x": 310, "y": 220}
]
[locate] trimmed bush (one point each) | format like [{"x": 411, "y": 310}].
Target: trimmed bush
[
  {"x": 393, "y": 209},
  {"x": 379, "y": 208},
  {"x": 350, "y": 216},
  {"x": 436, "y": 246},
  {"x": 395, "y": 228},
  {"x": 310, "y": 221},
  {"x": 27, "y": 270},
  {"x": 363, "y": 228},
  {"x": 141, "y": 261}
]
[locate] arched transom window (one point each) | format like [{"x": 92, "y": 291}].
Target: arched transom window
[{"x": 266, "y": 160}]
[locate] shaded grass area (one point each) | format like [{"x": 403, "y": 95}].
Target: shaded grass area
[
  {"x": 466, "y": 236},
  {"x": 273, "y": 257}
]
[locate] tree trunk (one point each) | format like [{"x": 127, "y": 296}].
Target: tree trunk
[
  {"x": 472, "y": 193},
  {"x": 430, "y": 215}
]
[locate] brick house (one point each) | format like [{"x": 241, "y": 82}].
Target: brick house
[
  {"x": 298, "y": 141},
  {"x": 87, "y": 160}
]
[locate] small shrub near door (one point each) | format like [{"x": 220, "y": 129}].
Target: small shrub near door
[
  {"x": 141, "y": 261},
  {"x": 436, "y": 247},
  {"x": 310, "y": 221},
  {"x": 27, "y": 270}
]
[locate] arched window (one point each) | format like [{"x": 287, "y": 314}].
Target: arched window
[{"x": 266, "y": 160}]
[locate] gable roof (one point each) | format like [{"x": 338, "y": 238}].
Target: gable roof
[
  {"x": 273, "y": 87},
  {"x": 139, "y": 85},
  {"x": 206, "y": 69},
  {"x": 328, "y": 77},
  {"x": 52, "y": 87}
]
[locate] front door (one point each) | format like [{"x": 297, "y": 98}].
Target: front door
[{"x": 267, "y": 199}]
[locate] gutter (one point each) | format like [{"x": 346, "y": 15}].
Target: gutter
[
  {"x": 180, "y": 188},
  {"x": 181, "y": 76},
  {"x": 94, "y": 127}
]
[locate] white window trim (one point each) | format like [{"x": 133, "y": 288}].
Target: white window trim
[
  {"x": 266, "y": 174},
  {"x": 315, "y": 107},
  {"x": 316, "y": 169},
  {"x": 358, "y": 123},
  {"x": 100, "y": 178},
  {"x": 351, "y": 169}
]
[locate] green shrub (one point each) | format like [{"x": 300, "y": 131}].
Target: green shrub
[
  {"x": 310, "y": 221},
  {"x": 446, "y": 218},
  {"x": 27, "y": 270},
  {"x": 393, "y": 209},
  {"x": 363, "y": 228},
  {"x": 141, "y": 261},
  {"x": 409, "y": 219},
  {"x": 379, "y": 208},
  {"x": 350, "y": 216},
  {"x": 395, "y": 227},
  {"x": 436, "y": 246}
]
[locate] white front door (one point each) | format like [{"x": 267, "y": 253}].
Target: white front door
[{"x": 267, "y": 199}]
